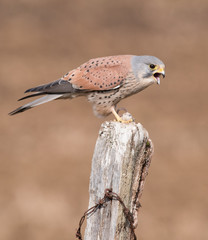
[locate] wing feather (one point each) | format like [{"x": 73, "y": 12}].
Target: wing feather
[
  {"x": 100, "y": 73},
  {"x": 58, "y": 86}
]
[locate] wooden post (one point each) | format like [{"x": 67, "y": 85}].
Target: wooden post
[{"x": 121, "y": 160}]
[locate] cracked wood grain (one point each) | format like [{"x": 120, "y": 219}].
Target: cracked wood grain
[{"x": 121, "y": 161}]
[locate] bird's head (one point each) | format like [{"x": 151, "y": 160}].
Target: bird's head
[{"x": 148, "y": 69}]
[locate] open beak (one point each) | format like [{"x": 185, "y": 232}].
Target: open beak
[{"x": 159, "y": 73}]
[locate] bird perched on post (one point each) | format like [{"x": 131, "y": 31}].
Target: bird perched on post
[{"x": 104, "y": 81}]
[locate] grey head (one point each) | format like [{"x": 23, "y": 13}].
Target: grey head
[{"x": 148, "y": 69}]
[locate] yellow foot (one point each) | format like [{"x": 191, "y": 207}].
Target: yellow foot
[
  {"x": 118, "y": 118},
  {"x": 123, "y": 121}
]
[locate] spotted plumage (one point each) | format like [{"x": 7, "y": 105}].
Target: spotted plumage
[
  {"x": 100, "y": 73},
  {"x": 104, "y": 81}
]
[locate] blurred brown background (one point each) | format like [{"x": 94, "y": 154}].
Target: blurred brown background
[{"x": 46, "y": 152}]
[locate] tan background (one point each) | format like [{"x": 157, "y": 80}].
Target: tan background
[{"x": 46, "y": 152}]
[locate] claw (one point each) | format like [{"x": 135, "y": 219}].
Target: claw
[
  {"x": 125, "y": 121},
  {"x": 118, "y": 118}
]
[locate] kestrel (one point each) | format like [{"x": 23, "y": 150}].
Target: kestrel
[{"x": 104, "y": 81}]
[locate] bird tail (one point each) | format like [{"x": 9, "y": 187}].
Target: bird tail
[{"x": 44, "y": 99}]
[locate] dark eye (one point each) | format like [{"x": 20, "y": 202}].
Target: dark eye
[{"x": 152, "y": 66}]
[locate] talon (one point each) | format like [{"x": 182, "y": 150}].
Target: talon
[
  {"x": 128, "y": 121},
  {"x": 118, "y": 118},
  {"x": 125, "y": 121}
]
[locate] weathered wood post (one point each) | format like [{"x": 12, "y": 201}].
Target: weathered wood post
[{"x": 121, "y": 160}]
